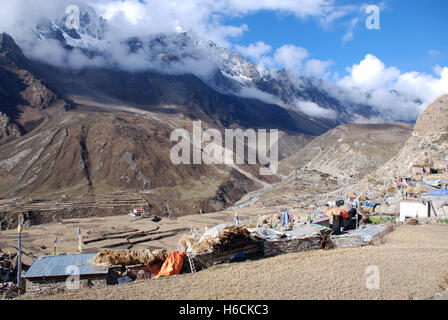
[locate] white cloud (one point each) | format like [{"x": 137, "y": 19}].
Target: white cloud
[
  {"x": 313, "y": 110},
  {"x": 133, "y": 11},
  {"x": 316, "y": 68},
  {"x": 395, "y": 95},
  {"x": 349, "y": 34},
  {"x": 433, "y": 52},
  {"x": 254, "y": 93},
  {"x": 255, "y": 51},
  {"x": 300, "y": 8},
  {"x": 370, "y": 73},
  {"x": 291, "y": 58},
  {"x": 153, "y": 16}
]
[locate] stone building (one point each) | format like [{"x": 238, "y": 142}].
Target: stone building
[
  {"x": 52, "y": 274},
  {"x": 421, "y": 169}
]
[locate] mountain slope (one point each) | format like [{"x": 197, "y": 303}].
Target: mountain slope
[
  {"x": 24, "y": 97},
  {"x": 429, "y": 140},
  {"x": 112, "y": 136},
  {"x": 185, "y": 94},
  {"x": 350, "y": 151}
]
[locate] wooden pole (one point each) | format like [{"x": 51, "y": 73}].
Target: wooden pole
[
  {"x": 79, "y": 241},
  {"x": 19, "y": 257}
]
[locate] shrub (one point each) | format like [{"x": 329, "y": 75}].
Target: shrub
[{"x": 378, "y": 220}]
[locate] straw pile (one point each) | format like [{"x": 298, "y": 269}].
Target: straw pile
[
  {"x": 416, "y": 191},
  {"x": 107, "y": 257},
  {"x": 184, "y": 240},
  {"x": 230, "y": 238},
  {"x": 265, "y": 219},
  {"x": 269, "y": 219},
  {"x": 363, "y": 198}
]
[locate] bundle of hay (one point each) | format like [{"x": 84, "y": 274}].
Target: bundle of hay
[
  {"x": 265, "y": 219},
  {"x": 416, "y": 191},
  {"x": 268, "y": 219},
  {"x": 107, "y": 257},
  {"x": 366, "y": 209},
  {"x": 185, "y": 240},
  {"x": 186, "y": 243},
  {"x": 230, "y": 238},
  {"x": 391, "y": 190},
  {"x": 363, "y": 198}
]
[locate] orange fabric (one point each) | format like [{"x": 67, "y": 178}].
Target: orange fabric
[
  {"x": 344, "y": 213},
  {"x": 172, "y": 265}
]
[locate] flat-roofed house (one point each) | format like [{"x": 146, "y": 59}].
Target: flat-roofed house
[{"x": 59, "y": 273}]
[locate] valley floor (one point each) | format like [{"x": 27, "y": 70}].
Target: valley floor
[{"x": 412, "y": 263}]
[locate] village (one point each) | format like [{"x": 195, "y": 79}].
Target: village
[{"x": 129, "y": 255}]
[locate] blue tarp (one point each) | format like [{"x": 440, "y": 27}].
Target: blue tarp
[
  {"x": 438, "y": 192},
  {"x": 285, "y": 218},
  {"x": 369, "y": 204}
]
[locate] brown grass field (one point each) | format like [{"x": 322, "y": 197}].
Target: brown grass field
[{"x": 412, "y": 260}]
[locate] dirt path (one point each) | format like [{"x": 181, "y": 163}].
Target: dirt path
[{"x": 413, "y": 263}]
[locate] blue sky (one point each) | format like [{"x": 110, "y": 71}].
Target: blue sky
[{"x": 409, "y": 30}]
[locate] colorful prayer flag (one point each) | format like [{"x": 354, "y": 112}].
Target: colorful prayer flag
[{"x": 54, "y": 248}]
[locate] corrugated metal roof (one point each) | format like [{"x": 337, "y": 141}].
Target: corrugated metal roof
[{"x": 57, "y": 266}]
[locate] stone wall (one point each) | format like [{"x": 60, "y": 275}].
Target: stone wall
[
  {"x": 51, "y": 286},
  {"x": 346, "y": 241},
  {"x": 274, "y": 247},
  {"x": 203, "y": 260},
  {"x": 356, "y": 240}
]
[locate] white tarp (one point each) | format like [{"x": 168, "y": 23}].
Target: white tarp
[
  {"x": 266, "y": 233},
  {"x": 434, "y": 183},
  {"x": 213, "y": 232}
]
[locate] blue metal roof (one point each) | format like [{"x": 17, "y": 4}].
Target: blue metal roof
[{"x": 58, "y": 266}]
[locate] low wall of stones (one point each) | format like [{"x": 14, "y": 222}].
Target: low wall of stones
[
  {"x": 355, "y": 241},
  {"x": 266, "y": 248},
  {"x": 275, "y": 247},
  {"x": 203, "y": 260},
  {"x": 347, "y": 241},
  {"x": 47, "y": 287}
]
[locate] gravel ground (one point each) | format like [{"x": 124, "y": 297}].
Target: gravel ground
[{"x": 412, "y": 264}]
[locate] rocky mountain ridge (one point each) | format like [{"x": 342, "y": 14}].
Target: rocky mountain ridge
[{"x": 229, "y": 71}]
